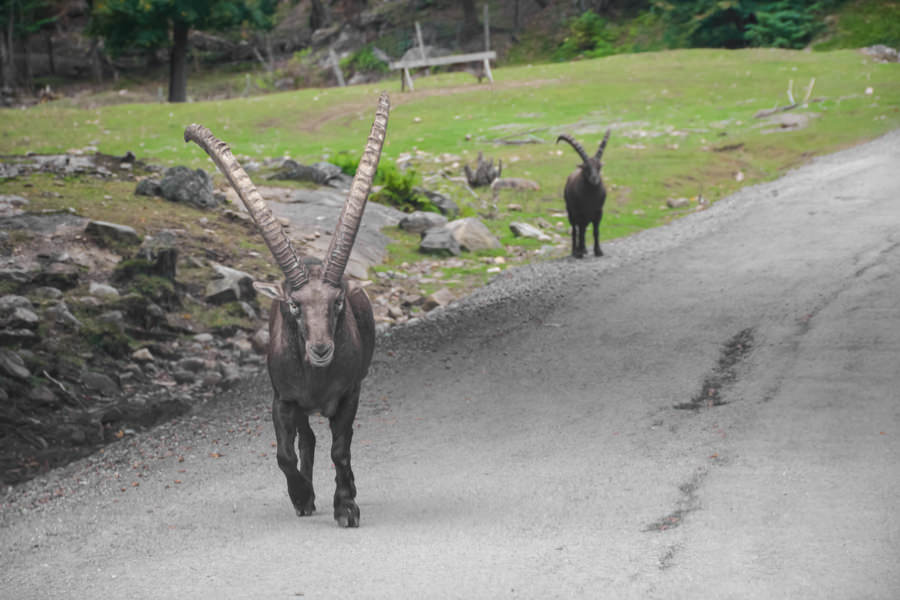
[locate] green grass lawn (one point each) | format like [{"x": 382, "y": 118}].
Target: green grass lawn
[{"x": 683, "y": 125}]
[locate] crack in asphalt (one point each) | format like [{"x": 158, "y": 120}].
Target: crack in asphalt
[
  {"x": 688, "y": 502},
  {"x": 724, "y": 374}
]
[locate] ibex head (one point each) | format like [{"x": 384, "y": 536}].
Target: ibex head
[
  {"x": 591, "y": 166},
  {"x": 312, "y": 296}
]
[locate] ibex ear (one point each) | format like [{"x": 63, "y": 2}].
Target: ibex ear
[{"x": 270, "y": 290}]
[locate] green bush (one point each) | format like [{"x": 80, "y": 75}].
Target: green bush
[
  {"x": 398, "y": 189},
  {"x": 589, "y": 37},
  {"x": 782, "y": 25},
  {"x": 365, "y": 61}
]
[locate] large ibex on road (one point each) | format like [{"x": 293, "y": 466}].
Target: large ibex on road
[
  {"x": 321, "y": 328},
  {"x": 585, "y": 195}
]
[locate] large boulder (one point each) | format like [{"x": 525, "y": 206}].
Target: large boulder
[
  {"x": 111, "y": 235},
  {"x": 528, "y": 230},
  {"x": 420, "y": 221},
  {"x": 439, "y": 240},
  {"x": 471, "y": 234},
  {"x": 181, "y": 184},
  {"x": 229, "y": 285},
  {"x": 148, "y": 187},
  {"x": 12, "y": 365},
  {"x": 443, "y": 203},
  {"x": 320, "y": 173}
]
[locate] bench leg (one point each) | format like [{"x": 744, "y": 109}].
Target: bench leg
[{"x": 487, "y": 70}]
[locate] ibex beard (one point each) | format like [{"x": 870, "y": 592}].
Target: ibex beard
[{"x": 321, "y": 329}]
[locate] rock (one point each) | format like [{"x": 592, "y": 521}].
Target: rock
[
  {"x": 248, "y": 310},
  {"x": 111, "y": 235},
  {"x": 320, "y": 173},
  {"x": 21, "y": 318},
  {"x": 882, "y": 53},
  {"x": 58, "y": 275},
  {"x": 211, "y": 379},
  {"x": 193, "y": 364},
  {"x": 148, "y": 187},
  {"x": 61, "y": 315},
  {"x": 8, "y": 171},
  {"x": 143, "y": 355},
  {"x": 512, "y": 183},
  {"x": 102, "y": 290},
  {"x": 11, "y": 205},
  {"x": 12, "y": 365},
  {"x": 420, "y": 221},
  {"x": 527, "y": 230},
  {"x": 17, "y": 337},
  {"x": 231, "y": 375},
  {"x": 51, "y": 293},
  {"x": 42, "y": 395},
  {"x": 413, "y": 300},
  {"x": 204, "y": 338},
  {"x": 439, "y": 240},
  {"x": 395, "y": 312},
  {"x": 229, "y": 285},
  {"x": 180, "y": 184},
  {"x": 442, "y": 297},
  {"x": 100, "y": 383},
  {"x": 116, "y": 318},
  {"x": 260, "y": 340},
  {"x": 184, "y": 377},
  {"x": 161, "y": 252},
  {"x": 443, "y": 203},
  {"x": 11, "y": 302},
  {"x": 472, "y": 234},
  {"x": 678, "y": 202}
]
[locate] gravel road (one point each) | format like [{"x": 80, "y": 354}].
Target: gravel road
[{"x": 710, "y": 411}]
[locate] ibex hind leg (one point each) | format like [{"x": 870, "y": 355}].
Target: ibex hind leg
[
  {"x": 346, "y": 512},
  {"x": 287, "y": 417},
  {"x": 597, "y": 250}
]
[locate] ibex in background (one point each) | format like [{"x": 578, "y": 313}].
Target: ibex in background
[
  {"x": 322, "y": 332},
  {"x": 585, "y": 196}
]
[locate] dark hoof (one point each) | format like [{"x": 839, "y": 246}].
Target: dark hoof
[
  {"x": 307, "y": 508},
  {"x": 598, "y": 252},
  {"x": 347, "y": 514}
]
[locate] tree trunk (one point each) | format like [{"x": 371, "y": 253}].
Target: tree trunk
[
  {"x": 50, "y": 53},
  {"x": 95, "y": 62},
  {"x": 29, "y": 76},
  {"x": 10, "y": 49},
  {"x": 318, "y": 18},
  {"x": 178, "y": 63},
  {"x": 470, "y": 19}
]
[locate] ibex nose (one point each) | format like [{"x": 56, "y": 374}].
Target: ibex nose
[{"x": 320, "y": 354}]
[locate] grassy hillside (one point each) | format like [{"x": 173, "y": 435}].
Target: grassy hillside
[{"x": 683, "y": 124}]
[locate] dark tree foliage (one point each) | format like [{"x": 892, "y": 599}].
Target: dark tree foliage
[
  {"x": 741, "y": 23},
  {"x": 151, "y": 24},
  {"x": 19, "y": 20}
]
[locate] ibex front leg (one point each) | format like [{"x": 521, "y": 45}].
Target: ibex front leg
[
  {"x": 288, "y": 422},
  {"x": 346, "y": 512}
]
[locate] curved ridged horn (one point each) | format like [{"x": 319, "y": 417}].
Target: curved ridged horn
[
  {"x": 348, "y": 223},
  {"x": 602, "y": 145},
  {"x": 296, "y": 272},
  {"x": 578, "y": 148}
]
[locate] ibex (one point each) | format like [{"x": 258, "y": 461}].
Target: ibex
[
  {"x": 585, "y": 196},
  {"x": 321, "y": 329}
]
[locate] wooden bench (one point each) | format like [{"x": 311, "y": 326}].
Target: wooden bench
[{"x": 407, "y": 65}]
